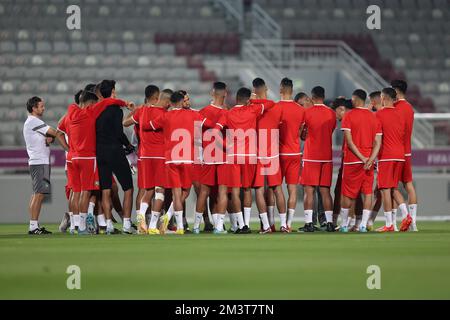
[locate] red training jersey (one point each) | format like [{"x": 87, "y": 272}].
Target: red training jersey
[
  {"x": 268, "y": 131},
  {"x": 215, "y": 114},
  {"x": 292, "y": 119},
  {"x": 64, "y": 127},
  {"x": 393, "y": 127},
  {"x": 407, "y": 112},
  {"x": 363, "y": 126},
  {"x": 151, "y": 143},
  {"x": 320, "y": 122}
]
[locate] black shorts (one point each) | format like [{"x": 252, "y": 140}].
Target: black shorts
[{"x": 113, "y": 161}]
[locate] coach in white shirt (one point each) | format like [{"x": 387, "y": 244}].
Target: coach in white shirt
[{"x": 38, "y": 136}]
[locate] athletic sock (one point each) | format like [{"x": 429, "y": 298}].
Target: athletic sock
[
  {"x": 34, "y": 224},
  {"x": 179, "y": 219},
  {"x": 76, "y": 220},
  {"x": 344, "y": 216},
  {"x": 388, "y": 216},
  {"x": 264, "y": 220},
  {"x": 413, "y": 212},
  {"x": 329, "y": 216},
  {"x": 308, "y": 216},
  {"x": 198, "y": 219},
  {"x": 233, "y": 221},
  {"x": 271, "y": 215},
  {"x": 247, "y": 214},
  {"x": 404, "y": 210},
  {"x": 351, "y": 222},
  {"x": 373, "y": 217},
  {"x": 283, "y": 220},
  {"x": 394, "y": 217},
  {"x": 109, "y": 224},
  {"x": 143, "y": 208},
  {"x": 214, "y": 217},
  {"x": 72, "y": 226},
  {"x": 91, "y": 207},
  {"x": 170, "y": 211},
  {"x": 358, "y": 220},
  {"x": 365, "y": 218},
  {"x": 83, "y": 216},
  {"x": 101, "y": 220},
  {"x": 240, "y": 220},
  {"x": 126, "y": 223},
  {"x": 219, "y": 224},
  {"x": 290, "y": 217},
  {"x": 154, "y": 219}
]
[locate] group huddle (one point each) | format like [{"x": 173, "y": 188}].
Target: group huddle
[{"x": 225, "y": 153}]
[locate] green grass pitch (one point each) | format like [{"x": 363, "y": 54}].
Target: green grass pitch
[{"x": 206, "y": 266}]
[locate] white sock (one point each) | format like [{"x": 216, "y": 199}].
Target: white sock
[
  {"x": 329, "y": 216},
  {"x": 154, "y": 219},
  {"x": 290, "y": 217},
  {"x": 233, "y": 221},
  {"x": 264, "y": 220},
  {"x": 344, "y": 217},
  {"x": 198, "y": 220},
  {"x": 72, "y": 225},
  {"x": 404, "y": 210},
  {"x": 179, "y": 219},
  {"x": 283, "y": 220},
  {"x": 91, "y": 207},
  {"x": 240, "y": 220},
  {"x": 413, "y": 212},
  {"x": 83, "y": 216},
  {"x": 351, "y": 222},
  {"x": 101, "y": 220},
  {"x": 271, "y": 215},
  {"x": 308, "y": 216},
  {"x": 215, "y": 217},
  {"x": 247, "y": 213},
  {"x": 372, "y": 218},
  {"x": 388, "y": 216},
  {"x": 143, "y": 208},
  {"x": 109, "y": 224},
  {"x": 358, "y": 220},
  {"x": 394, "y": 217},
  {"x": 34, "y": 224},
  {"x": 126, "y": 223},
  {"x": 365, "y": 217},
  {"x": 170, "y": 211},
  {"x": 219, "y": 224},
  {"x": 76, "y": 220}
]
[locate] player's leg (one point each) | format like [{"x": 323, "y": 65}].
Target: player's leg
[
  {"x": 178, "y": 208},
  {"x": 346, "y": 204},
  {"x": 200, "y": 206},
  {"x": 157, "y": 206},
  {"x": 366, "y": 212},
  {"x": 308, "y": 203},
  {"x": 262, "y": 209},
  {"x": 281, "y": 206},
  {"x": 358, "y": 211},
  {"x": 270, "y": 201},
  {"x": 375, "y": 209},
  {"x": 115, "y": 201},
  {"x": 145, "y": 203},
  {"x": 412, "y": 203}
]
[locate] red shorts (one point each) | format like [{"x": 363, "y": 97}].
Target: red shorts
[
  {"x": 209, "y": 175},
  {"x": 238, "y": 175},
  {"x": 196, "y": 172},
  {"x": 269, "y": 169},
  {"x": 356, "y": 180},
  {"x": 389, "y": 174},
  {"x": 178, "y": 175},
  {"x": 140, "y": 174},
  {"x": 290, "y": 168},
  {"x": 69, "y": 174},
  {"x": 85, "y": 175},
  {"x": 316, "y": 174},
  {"x": 407, "y": 171},
  {"x": 153, "y": 173}
]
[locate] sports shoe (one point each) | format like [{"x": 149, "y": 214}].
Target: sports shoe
[
  {"x": 284, "y": 229},
  {"x": 113, "y": 231},
  {"x": 243, "y": 230},
  {"x": 268, "y": 230},
  {"x": 153, "y": 231},
  {"x": 220, "y": 232},
  {"x": 343, "y": 229},
  {"x": 369, "y": 227},
  {"x": 142, "y": 226},
  {"x": 39, "y": 231},
  {"x": 413, "y": 227},
  {"x": 330, "y": 227},
  {"x": 65, "y": 223},
  {"x": 406, "y": 223},
  {"x": 308, "y": 227},
  {"x": 83, "y": 232},
  {"x": 362, "y": 229},
  {"x": 273, "y": 228},
  {"x": 323, "y": 227},
  {"x": 196, "y": 231},
  {"x": 90, "y": 224},
  {"x": 386, "y": 229},
  {"x": 164, "y": 223},
  {"x": 208, "y": 227},
  {"x": 129, "y": 230},
  {"x": 395, "y": 227},
  {"x": 353, "y": 229},
  {"x": 179, "y": 231}
]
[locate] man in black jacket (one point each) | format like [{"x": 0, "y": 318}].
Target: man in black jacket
[{"x": 111, "y": 157}]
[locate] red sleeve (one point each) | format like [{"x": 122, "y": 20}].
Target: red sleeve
[
  {"x": 266, "y": 104},
  {"x": 97, "y": 109},
  {"x": 157, "y": 123},
  {"x": 379, "y": 130},
  {"x": 62, "y": 125},
  {"x": 136, "y": 116},
  {"x": 346, "y": 123}
]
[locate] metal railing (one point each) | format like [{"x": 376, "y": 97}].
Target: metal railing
[
  {"x": 234, "y": 9},
  {"x": 263, "y": 25},
  {"x": 273, "y": 55}
]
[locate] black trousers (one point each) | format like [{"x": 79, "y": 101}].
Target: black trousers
[{"x": 112, "y": 160}]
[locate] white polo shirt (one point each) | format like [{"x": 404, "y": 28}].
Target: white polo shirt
[{"x": 34, "y": 131}]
